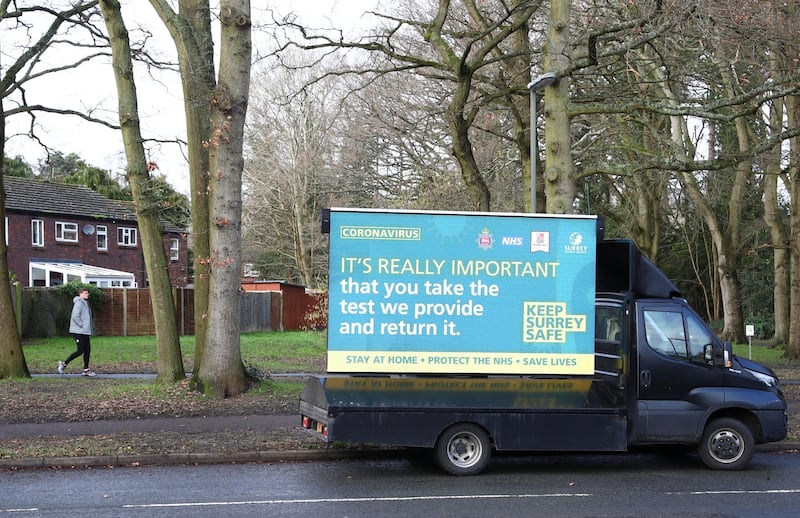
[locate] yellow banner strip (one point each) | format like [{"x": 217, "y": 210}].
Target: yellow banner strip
[{"x": 459, "y": 362}]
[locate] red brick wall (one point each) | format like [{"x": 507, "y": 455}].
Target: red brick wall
[
  {"x": 178, "y": 270},
  {"x": 127, "y": 259}
]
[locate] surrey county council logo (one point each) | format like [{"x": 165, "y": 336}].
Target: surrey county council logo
[
  {"x": 576, "y": 245},
  {"x": 540, "y": 241},
  {"x": 485, "y": 240}
]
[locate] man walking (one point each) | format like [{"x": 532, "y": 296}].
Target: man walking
[{"x": 80, "y": 327}]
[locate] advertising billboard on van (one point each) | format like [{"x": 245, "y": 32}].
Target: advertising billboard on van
[{"x": 460, "y": 293}]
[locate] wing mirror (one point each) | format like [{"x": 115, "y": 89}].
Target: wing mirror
[{"x": 720, "y": 356}]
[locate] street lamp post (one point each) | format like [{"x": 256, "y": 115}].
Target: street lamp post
[{"x": 536, "y": 84}]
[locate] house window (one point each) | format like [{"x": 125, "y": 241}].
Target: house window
[
  {"x": 37, "y": 232},
  {"x": 126, "y": 236},
  {"x": 66, "y": 232},
  {"x": 102, "y": 237},
  {"x": 174, "y": 249}
]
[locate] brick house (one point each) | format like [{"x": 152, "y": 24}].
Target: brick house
[{"x": 57, "y": 233}]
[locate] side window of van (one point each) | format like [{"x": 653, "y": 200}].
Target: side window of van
[
  {"x": 608, "y": 324},
  {"x": 664, "y": 332},
  {"x": 699, "y": 337}
]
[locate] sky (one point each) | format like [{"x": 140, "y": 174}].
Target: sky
[{"x": 92, "y": 88}]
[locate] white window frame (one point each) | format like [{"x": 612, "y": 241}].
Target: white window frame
[
  {"x": 6, "y": 232},
  {"x": 102, "y": 234},
  {"x": 37, "y": 232},
  {"x": 66, "y": 232},
  {"x": 174, "y": 249},
  {"x": 127, "y": 236}
]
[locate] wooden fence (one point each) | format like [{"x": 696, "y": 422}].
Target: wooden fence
[{"x": 44, "y": 312}]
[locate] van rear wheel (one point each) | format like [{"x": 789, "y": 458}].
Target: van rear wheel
[
  {"x": 727, "y": 445},
  {"x": 463, "y": 449}
]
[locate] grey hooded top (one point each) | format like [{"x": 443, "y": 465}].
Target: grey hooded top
[{"x": 80, "y": 323}]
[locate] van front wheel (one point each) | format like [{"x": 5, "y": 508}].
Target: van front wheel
[
  {"x": 463, "y": 449},
  {"x": 727, "y": 445}
]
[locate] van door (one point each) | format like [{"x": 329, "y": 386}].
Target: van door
[{"x": 677, "y": 384}]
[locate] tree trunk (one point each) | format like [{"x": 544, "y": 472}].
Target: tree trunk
[
  {"x": 644, "y": 199},
  {"x": 458, "y": 115},
  {"x": 12, "y": 358},
  {"x": 724, "y": 244},
  {"x": 728, "y": 256},
  {"x": 793, "y": 118},
  {"x": 733, "y": 328},
  {"x": 520, "y": 76},
  {"x": 191, "y": 32},
  {"x": 222, "y": 373},
  {"x": 170, "y": 361},
  {"x": 773, "y": 217},
  {"x": 462, "y": 150},
  {"x": 559, "y": 181},
  {"x": 724, "y": 234}
]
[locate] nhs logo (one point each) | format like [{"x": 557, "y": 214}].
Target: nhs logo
[{"x": 511, "y": 241}]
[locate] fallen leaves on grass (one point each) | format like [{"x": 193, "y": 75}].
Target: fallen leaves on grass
[{"x": 80, "y": 399}]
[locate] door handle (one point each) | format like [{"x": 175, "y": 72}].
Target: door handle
[{"x": 646, "y": 379}]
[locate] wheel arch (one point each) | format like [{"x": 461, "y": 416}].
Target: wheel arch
[{"x": 743, "y": 415}]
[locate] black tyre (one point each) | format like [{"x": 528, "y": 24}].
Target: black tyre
[
  {"x": 727, "y": 445},
  {"x": 463, "y": 449}
]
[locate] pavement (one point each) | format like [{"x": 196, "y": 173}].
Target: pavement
[
  {"x": 205, "y": 424},
  {"x": 201, "y": 424}
]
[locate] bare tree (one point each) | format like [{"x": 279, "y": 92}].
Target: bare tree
[
  {"x": 681, "y": 65},
  {"x": 461, "y": 43},
  {"x": 292, "y": 153},
  {"x": 24, "y": 69},
  {"x": 146, "y": 201},
  {"x": 190, "y": 29},
  {"x": 222, "y": 372},
  {"x": 779, "y": 25},
  {"x": 793, "y": 175},
  {"x": 12, "y": 358},
  {"x": 774, "y": 217}
]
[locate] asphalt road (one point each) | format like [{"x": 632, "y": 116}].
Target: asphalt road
[{"x": 629, "y": 485}]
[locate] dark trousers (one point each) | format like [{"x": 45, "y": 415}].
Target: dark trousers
[{"x": 84, "y": 348}]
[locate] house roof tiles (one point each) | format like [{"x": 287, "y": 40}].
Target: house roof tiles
[{"x": 40, "y": 196}]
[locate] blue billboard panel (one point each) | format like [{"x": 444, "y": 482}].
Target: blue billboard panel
[{"x": 461, "y": 293}]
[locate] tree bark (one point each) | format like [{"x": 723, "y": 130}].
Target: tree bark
[
  {"x": 222, "y": 372},
  {"x": 190, "y": 30},
  {"x": 170, "y": 360},
  {"x": 12, "y": 357},
  {"x": 793, "y": 118},
  {"x": 729, "y": 254},
  {"x": 519, "y": 73},
  {"x": 559, "y": 180},
  {"x": 773, "y": 217}
]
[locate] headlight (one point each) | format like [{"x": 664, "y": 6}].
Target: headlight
[{"x": 766, "y": 379}]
